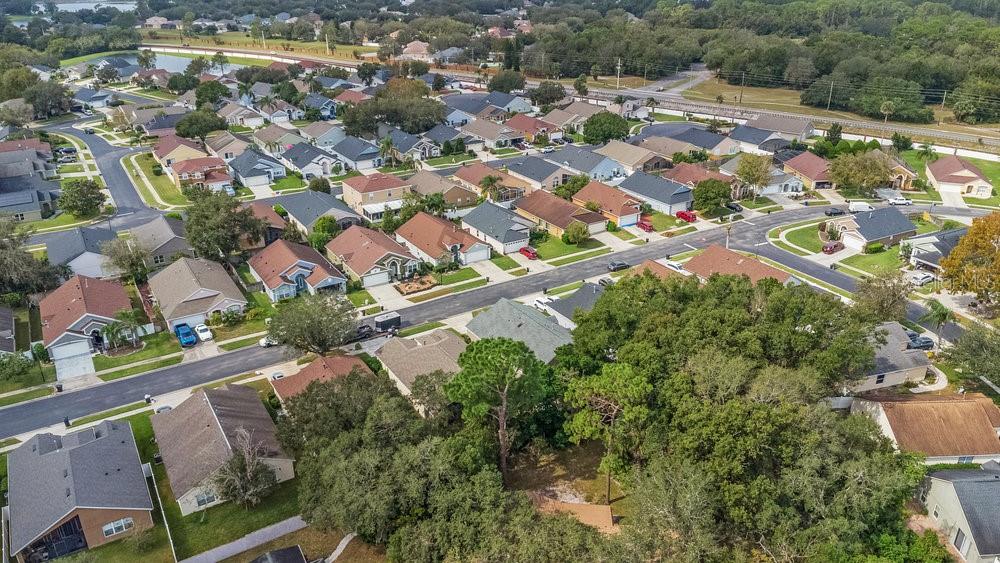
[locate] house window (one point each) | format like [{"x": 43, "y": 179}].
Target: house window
[
  {"x": 965, "y": 459},
  {"x": 159, "y": 259},
  {"x": 19, "y": 216},
  {"x": 936, "y": 509},
  {"x": 371, "y": 197},
  {"x": 880, "y": 379},
  {"x": 117, "y": 527},
  {"x": 202, "y": 499},
  {"x": 959, "y": 541}
]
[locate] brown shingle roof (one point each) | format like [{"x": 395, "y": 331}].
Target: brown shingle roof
[
  {"x": 625, "y": 154},
  {"x": 427, "y": 182},
  {"x": 352, "y": 97},
  {"x": 267, "y": 213},
  {"x": 361, "y": 248},
  {"x": 174, "y": 286},
  {"x": 691, "y": 174},
  {"x": 556, "y": 210},
  {"x": 374, "y": 183},
  {"x": 272, "y": 262},
  {"x": 527, "y": 124},
  {"x": 434, "y": 235},
  {"x": 320, "y": 369},
  {"x": 944, "y": 426},
  {"x": 719, "y": 260},
  {"x": 474, "y": 174},
  {"x": 409, "y": 358},
  {"x": 167, "y": 144},
  {"x": 946, "y": 169},
  {"x": 77, "y": 297},
  {"x": 609, "y": 199},
  {"x": 200, "y": 164},
  {"x": 665, "y": 146},
  {"x": 811, "y": 166}
]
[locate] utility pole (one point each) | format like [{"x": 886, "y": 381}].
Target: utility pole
[
  {"x": 327, "y": 35},
  {"x": 262, "y": 39},
  {"x": 943, "y": 98},
  {"x": 743, "y": 82},
  {"x": 645, "y": 70},
  {"x": 829, "y": 99},
  {"x": 618, "y": 84}
]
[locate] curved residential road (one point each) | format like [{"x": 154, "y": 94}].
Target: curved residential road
[{"x": 746, "y": 235}]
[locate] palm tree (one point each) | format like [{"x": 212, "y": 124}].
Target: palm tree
[
  {"x": 387, "y": 150},
  {"x": 939, "y": 315},
  {"x": 245, "y": 90},
  {"x": 887, "y": 108},
  {"x": 129, "y": 319},
  {"x": 490, "y": 186},
  {"x": 651, "y": 102},
  {"x": 926, "y": 152},
  {"x": 265, "y": 102},
  {"x": 113, "y": 332}
]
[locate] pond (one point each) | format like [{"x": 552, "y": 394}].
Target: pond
[
  {"x": 77, "y": 6},
  {"x": 174, "y": 63}
]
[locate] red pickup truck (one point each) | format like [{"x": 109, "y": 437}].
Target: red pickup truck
[{"x": 688, "y": 216}]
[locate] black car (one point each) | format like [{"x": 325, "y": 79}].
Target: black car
[
  {"x": 834, "y": 211},
  {"x": 921, "y": 343},
  {"x": 733, "y": 206},
  {"x": 66, "y": 150},
  {"x": 88, "y": 130},
  {"x": 616, "y": 266}
]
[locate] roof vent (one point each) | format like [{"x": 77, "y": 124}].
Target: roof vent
[{"x": 67, "y": 491}]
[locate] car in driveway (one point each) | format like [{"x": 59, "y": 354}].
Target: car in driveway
[
  {"x": 921, "y": 279},
  {"x": 203, "y": 332},
  {"x": 529, "y": 253},
  {"x": 547, "y": 150},
  {"x": 733, "y": 206},
  {"x": 900, "y": 201},
  {"x": 185, "y": 335},
  {"x": 645, "y": 226},
  {"x": 834, "y": 212},
  {"x": 617, "y": 266},
  {"x": 541, "y": 303},
  {"x": 832, "y": 247},
  {"x": 921, "y": 343},
  {"x": 687, "y": 216},
  {"x": 267, "y": 342}
]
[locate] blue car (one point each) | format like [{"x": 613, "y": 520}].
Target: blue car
[{"x": 185, "y": 335}]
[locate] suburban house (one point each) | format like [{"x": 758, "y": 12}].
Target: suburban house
[
  {"x": 779, "y": 182},
  {"x": 205, "y": 172},
  {"x": 814, "y": 171},
  {"x": 311, "y": 161},
  {"x": 476, "y": 103},
  {"x": 164, "y": 238},
  {"x": 304, "y": 208},
  {"x": 579, "y": 160},
  {"x": 579, "y": 111},
  {"x": 539, "y": 174},
  {"x": 791, "y": 128},
  {"x": 665, "y": 196},
  {"x": 371, "y": 256},
  {"x": 138, "y": 116},
  {"x": 615, "y": 205},
  {"x": 886, "y": 226},
  {"x": 582, "y": 300},
  {"x": 323, "y": 368},
  {"x": 517, "y": 321},
  {"x": 927, "y": 251},
  {"x": 258, "y": 90},
  {"x": 963, "y": 505},
  {"x": 903, "y": 175},
  {"x": 275, "y": 139},
  {"x": 90, "y": 98},
  {"x": 951, "y": 174},
  {"x": 405, "y": 145},
  {"x": 629, "y": 109},
  {"x": 326, "y": 107},
  {"x": 287, "y": 269},
  {"x": 190, "y": 290},
  {"x": 720, "y": 260},
  {"x": 441, "y": 134},
  {"x": 323, "y": 134},
  {"x": 226, "y": 145},
  {"x": 666, "y": 147},
  {"x": 199, "y": 435},
  {"x": 532, "y": 128},
  {"x": 253, "y": 168},
  {"x": 895, "y": 362},
  {"x": 241, "y": 116},
  {"x": 73, "y": 320},
  {"x": 427, "y": 182},
  {"x": 714, "y": 144},
  {"x": 372, "y": 195},
  {"x": 169, "y": 150},
  {"x": 152, "y": 77},
  {"x": 27, "y": 198},
  {"x": 758, "y": 141},
  {"x": 280, "y": 111},
  {"x": 439, "y": 241},
  {"x": 946, "y": 429},
  {"x": 416, "y": 51},
  {"x": 80, "y": 249},
  {"x": 357, "y": 154},
  {"x": 275, "y": 225},
  {"x": 554, "y": 214},
  {"x": 352, "y": 97},
  {"x": 505, "y": 231},
  {"x": 454, "y": 117},
  {"x": 632, "y": 157},
  {"x": 692, "y": 174},
  {"x": 406, "y": 359},
  {"x": 75, "y": 492},
  {"x": 493, "y": 135},
  {"x": 161, "y": 125}
]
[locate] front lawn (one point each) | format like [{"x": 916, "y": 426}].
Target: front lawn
[
  {"x": 662, "y": 222},
  {"x": 162, "y": 184},
  {"x": 993, "y": 201},
  {"x": 623, "y": 234},
  {"x": 107, "y": 414},
  {"x": 450, "y": 159},
  {"x": 361, "y": 298},
  {"x": 289, "y": 182},
  {"x": 555, "y": 247},
  {"x": 806, "y": 237},
  {"x": 70, "y": 168},
  {"x": 26, "y": 396},
  {"x": 581, "y": 256},
  {"x": 60, "y": 219},
  {"x": 154, "y": 346},
  {"x": 142, "y": 368},
  {"x": 504, "y": 262},
  {"x": 505, "y": 151},
  {"x": 417, "y": 329},
  {"x": 924, "y": 227},
  {"x": 757, "y": 202},
  {"x": 461, "y": 275},
  {"x": 668, "y": 117},
  {"x": 888, "y": 259}
]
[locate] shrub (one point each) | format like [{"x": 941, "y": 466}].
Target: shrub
[
  {"x": 874, "y": 248},
  {"x": 231, "y": 318},
  {"x": 12, "y": 299},
  {"x": 612, "y": 227},
  {"x": 175, "y": 215},
  {"x": 40, "y": 352},
  {"x": 280, "y": 210},
  {"x": 157, "y": 170},
  {"x": 214, "y": 319},
  {"x": 253, "y": 314}
]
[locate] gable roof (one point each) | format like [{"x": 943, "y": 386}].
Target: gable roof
[
  {"x": 223, "y": 140},
  {"x": 498, "y": 223},
  {"x": 318, "y": 101},
  {"x": 274, "y": 133},
  {"x": 49, "y": 476},
  {"x": 577, "y": 158},
  {"x": 952, "y": 169},
  {"x": 409, "y": 358},
  {"x": 77, "y": 297},
  {"x": 266, "y": 213},
  {"x": 475, "y": 172},
  {"x": 362, "y": 248},
  {"x": 882, "y": 223},
  {"x": 943, "y": 425},
  {"x": 166, "y": 145},
  {"x": 647, "y": 186},
  {"x": 199, "y": 435},
  {"x": 811, "y": 166},
  {"x": 196, "y": 165},
  {"x": 524, "y": 123},
  {"x": 252, "y": 162},
  {"x": 71, "y": 244},
  {"x": 720, "y": 260},
  {"x": 556, "y": 210},
  {"x": 323, "y": 368},
  {"x": 435, "y": 236},
  {"x": 750, "y": 135},
  {"x": 232, "y": 108},
  {"x": 608, "y": 199},
  {"x": 895, "y": 355},
  {"x": 666, "y": 146},
  {"x": 274, "y": 261},
  {"x": 932, "y": 247},
  {"x": 303, "y": 154},
  {"x": 426, "y": 182},
  {"x": 691, "y": 174},
  {"x": 317, "y": 129},
  {"x": 624, "y": 153},
  {"x": 780, "y": 123},
  {"x": 978, "y": 493},
  {"x": 468, "y": 103},
  {"x": 441, "y": 133},
  {"x": 490, "y": 130},
  {"x": 531, "y": 167},
  {"x": 307, "y": 206},
  {"x": 517, "y": 321},
  {"x": 352, "y": 97},
  {"x": 174, "y": 286},
  {"x": 154, "y": 234},
  {"x": 374, "y": 183},
  {"x": 401, "y": 140},
  {"x": 700, "y": 138},
  {"x": 583, "y": 109},
  {"x": 583, "y": 299},
  {"x": 559, "y": 117},
  {"x": 355, "y": 149}
]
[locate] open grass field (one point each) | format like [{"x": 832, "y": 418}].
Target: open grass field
[
  {"x": 84, "y": 58},
  {"x": 241, "y": 40},
  {"x": 805, "y": 237},
  {"x": 163, "y": 185}
]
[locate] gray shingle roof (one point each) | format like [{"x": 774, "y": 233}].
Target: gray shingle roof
[
  {"x": 329, "y": 83},
  {"x": 656, "y": 188},
  {"x": 668, "y": 129},
  {"x": 893, "y": 355},
  {"x": 317, "y": 101},
  {"x": 88, "y": 95},
  {"x": 469, "y": 103},
  {"x": 303, "y": 153},
  {"x": 499, "y": 99},
  {"x": 50, "y": 475},
  {"x": 308, "y": 206},
  {"x": 72, "y": 244},
  {"x": 749, "y": 134},
  {"x": 577, "y": 158},
  {"x": 441, "y": 133},
  {"x": 883, "y": 223},
  {"x": 164, "y": 122},
  {"x": 353, "y": 148},
  {"x": 979, "y": 494},
  {"x": 401, "y": 140},
  {"x": 25, "y": 193},
  {"x": 583, "y": 299},
  {"x": 253, "y": 163},
  {"x": 157, "y": 232},
  {"x": 498, "y": 223},
  {"x": 700, "y": 138},
  {"x": 517, "y": 321},
  {"x": 944, "y": 243},
  {"x": 527, "y": 166}
]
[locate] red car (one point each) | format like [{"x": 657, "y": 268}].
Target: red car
[
  {"x": 529, "y": 253},
  {"x": 688, "y": 216},
  {"x": 832, "y": 247},
  {"x": 645, "y": 225}
]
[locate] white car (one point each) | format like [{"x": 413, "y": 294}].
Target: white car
[
  {"x": 921, "y": 279},
  {"x": 541, "y": 302},
  {"x": 266, "y": 342},
  {"x": 900, "y": 201},
  {"x": 204, "y": 333}
]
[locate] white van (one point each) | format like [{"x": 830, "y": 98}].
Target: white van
[{"x": 859, "y": 207}]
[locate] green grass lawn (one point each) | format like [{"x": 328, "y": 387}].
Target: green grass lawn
[
  {"x": 780, "y": 244},
  {"x": 450, "y": 159},
  {"x": 565, "y": 288},
  {"x": 993, "y": 201},
  {"x": 555, "y": 247},
  {"x": 163, "y": 185},
  {"x": 504, "y": 262},
  {"x": 399, "y": 169},
  {"x": 26, "y": 396},
  {"x": 460, "y": 275},
  {"x": 70, "y": 168},
  {"x": 623, "y": 234},
  {"x": 244, "y": 272},
  {"x": 342, "y": 177},
  {"x": 582, "y": 256},
  {"x": 84, "y": 58},
  {"x": 154, "y": 346},
  {"x": 924, "y": 227},
  {"x": 662, "y": 222},
  {"x": 668, "y": 117},
  {"x": 361, "y": 298},
  {"x": 447, "y": 290},
  {"x": 135, "y": 370},
  {"x": 58, "y": 220},
  {"x": 22, "y": 334},
  {"x": 107, "y": 414},
  {"x": 238, "y": 344},
  {"x": 159, "y": 94},
  {"x": 289, "y": 182},
  {"x": 757, "y": 202},
  {"x": 239, "y": 129},
  {"x": 505, "y": 151},
  {"x": 417, "y": 329},
  {"x": 875, "y": 263},
  {"x": 805, "y": 237}
]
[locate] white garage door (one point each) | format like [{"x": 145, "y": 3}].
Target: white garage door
[
  {"x": 372, "y": 280},
  {"x": 74, "y": 366},
  {"x": 595, "y": 228},
  {"x": 191, "y": 321},
  {"x": 478, "y": 255},
  {"x": 853, "y": 241}
]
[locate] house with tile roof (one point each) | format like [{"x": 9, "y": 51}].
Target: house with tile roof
[
  {"x": 813, "y": 170},
  {"x": 287, "y": 269},
  {"x": 406, "y": 359},
  {"x": 206, "y": 172},
  {"x": 371, "y": 256},
  {"x": 75, "y": 492},
  {"x": 963, "y": 504},
  {"x": 439, "y": 241},
  {"x": 352, "y": 97},
  {"x": 579, "y": 160},
  {"x": 663, "y": 195},
  {"x": 517, "y": 321},
  {"x": 304, "y": 208},
  {"x": 720, "y": 260},
  {"x": 538, "y": 173},
  {"x": 274, "y": 224},
  {"x": 886, "y": 226},
  {"x": 169, "y": 150},
  {"x": 614, "y": 204},
  {"x": 74, "y": 317},
  {"x": 320, "y": 370},
  {"x": 632, "y": 157},
  {"x": 952, "y": 174},
  {"x": 554, "y": 214},
  {"x": 372, "y": 195},
  {"x": 164, "y": 238},
  {"x": 189, "y": 290},
  {"x": 199, "y": 435},
  {"x": 505, "y": 231}
]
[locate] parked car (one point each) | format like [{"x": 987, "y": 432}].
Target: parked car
[
  {"x": 733, "y": 206},
  {"x": 645, "y": 226},
  {"x": 277, "y": 375},
  {"x": 834, "y": 212},
  {"x": 859, "y": 207},
  {"x": 900, "y": 201},
  {"x": 606, "y": 282},
  {"x": 529, "y": 253},
  {"x": 365, "y": 331},
  {"x": 204, "y": 333},
  {"x": 921, "y": 279},
  {"x": 65, "y": 150},
  {"x": 388, "y": 322},
  {"x": 617, "y": 266},
  {"x": 164, "y": 408},
  {"x": 541, "y": 302},
  {"x": 547, "y": 150},
  {"x": 266, "y": 342},
  {"x": 687, "y": 216},
  {"x": 832, "y": 247},
  {"x": 911, "y": 334},
  {"x": 88, "y": 130},
  {"x": 67, "y": 159},
  {"x": 185, "y": 335},
  {"x": 675, "y": 266},
  {"x": 921, "y": 343}
]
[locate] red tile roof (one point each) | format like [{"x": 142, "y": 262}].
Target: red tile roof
[
  {"x": 361, "y": 248},
  {"x": 267, "y": 213},
  {"x": 691, "y": 174},
  {"x": 167, "y": 144},
  {"x": 374, "y": 183},
  {"x": 281, "y": 255},
  {"x": 202, "y": 164},
  {"x": 320, "y": 369},
  {"x": 527, "y": 124},
  {"x": 719, "y": 260},
  {"x": 811, "y": 166},
  {"x": 77, "y": 297},
  {"x": 20, "y": 144}
]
